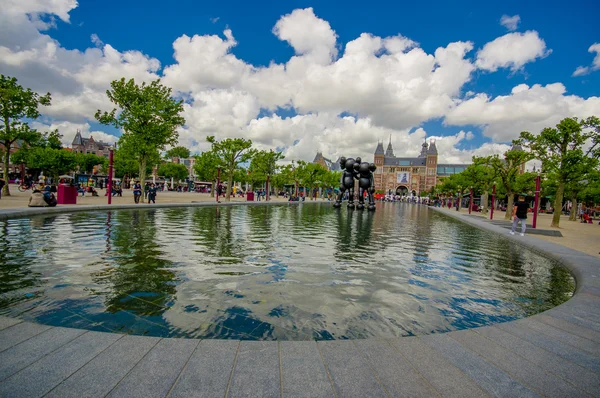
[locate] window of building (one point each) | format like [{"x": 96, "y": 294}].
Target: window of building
[{"x": 404, "y": 163}]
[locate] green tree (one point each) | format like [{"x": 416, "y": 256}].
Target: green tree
[
  {"x": 180, "y": 152},
  {"x": 206, "y": 168},
  {"x": 148, "y": 115},
  {"x": 87, "y": 162},
  {"x": 508, "y": 170},
  {"x": 231, "y": 152},
  {"x": 265, "y": 163},
  {"x": 310, "y": 174},
  {"x": 53, "y": 162},
  {"x": 481, "y": 177},
  {"x": 52, "y": 139},
  {"x": 562, "y": 150},
  {"x": 173, "y": 170},
  {"x": 17, "y": 103}
]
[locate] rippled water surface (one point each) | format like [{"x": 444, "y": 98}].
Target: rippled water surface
[{"x": 289, "y": 272}]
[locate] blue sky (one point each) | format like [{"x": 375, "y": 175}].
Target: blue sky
[{"x": 150, "y": 28}]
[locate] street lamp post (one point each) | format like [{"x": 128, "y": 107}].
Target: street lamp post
[
  {"x": 538, "y": 183},
  {"x": 110, "y": 174},
  {"x": 493, "y": 202},
  {"x": 471, "y": 200}
]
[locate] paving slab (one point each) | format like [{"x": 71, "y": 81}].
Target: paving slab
[
  {"x": 572, "y": 339},
  {"x": 303, "y": 371},
  {"x": 208, "y": 370},
  {"x": 256, "y": 372},
  {"x": 6, "y": 322},
  {"x": 99, "y": 376},
  {"x": 18, "y": 333},
  {"x": 52, "y": 369},
  {"x": 570, "y": 372},
  {"x": 350, "y": 373},
  {"x": 557, "y": 347},
  {"x": 397, "y": 375},
  {"x": 157, "y": 372},
  {"x": 24, "y": 354},
  {"x": 569, "y": 327},
  {"x": 576, "y": 320},
  {"x": 446, "y": 378},
  {"x": 488, "y": 376},
  {"x": 519, "y": 368}
]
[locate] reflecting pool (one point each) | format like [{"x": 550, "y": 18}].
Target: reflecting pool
[{"x": 289, "y": 272}]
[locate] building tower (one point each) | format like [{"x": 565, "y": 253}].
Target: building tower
[
  {"x": 431, "y": 168},
  {"x": 389, "y": 153}
]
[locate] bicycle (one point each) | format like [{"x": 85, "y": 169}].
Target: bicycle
[{"x": 25, "y": 187}]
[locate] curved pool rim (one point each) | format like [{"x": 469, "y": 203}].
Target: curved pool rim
[{"x": 580, "y": 265}]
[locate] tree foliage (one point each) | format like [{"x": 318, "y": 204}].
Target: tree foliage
[
  {"x": 562, "y": 150},
  {"x": 148, "y": 115},
  {"x": 230, "y": 152},
  {"x": 508, "y": 171},
  {"x": 16, "y": 104},
  {"x": 173, "y": 170},
  {"x": 311, "y": 174},
  {"x": 180, "y": 152}
]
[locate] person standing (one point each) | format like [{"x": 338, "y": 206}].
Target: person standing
[
  {"x": 137, "y": 192},
  {"x": 519, "y": 213},
  {"x": 152, "y": 194}
]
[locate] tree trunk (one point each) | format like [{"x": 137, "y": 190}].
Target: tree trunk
[
  {"x": 5, "y": 190},
  {"x": 142, "y": 176},
  {"x": 573, "y": 213},
  {"x": 213, "y": 188},
  {"x": 484, "y": 209},
  {"x": 560, "y": 192},
  {"x": 229, "y": 183},
  {"x": 267, "y": 194},
  {"x": 510, "y": 203}
]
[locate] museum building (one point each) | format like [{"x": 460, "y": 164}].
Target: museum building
[{"x": 404, "y": 176}]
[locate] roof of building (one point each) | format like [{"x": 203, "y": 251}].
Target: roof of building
[
  {"x": 432, "y": 148},
  {"x": 79, "y": 140},
  {"x": 379, "y": 150},
  {"x": 332, "y": 166}
]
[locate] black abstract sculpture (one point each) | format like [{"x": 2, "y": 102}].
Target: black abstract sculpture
[{"x": 363, "y": 172}]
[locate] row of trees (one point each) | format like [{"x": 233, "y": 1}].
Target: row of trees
[
  {"x": 241, "y": 163},
  {"x": 569, "y": 153}
]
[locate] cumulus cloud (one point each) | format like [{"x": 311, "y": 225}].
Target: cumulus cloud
[
  {"x": 584, "y": 70},
  {"x": 510, "y": 23},
  {"x": 512, "y": 50},
  {"x": 345, "y": 96},
  {"x": 526, "y": 108}
]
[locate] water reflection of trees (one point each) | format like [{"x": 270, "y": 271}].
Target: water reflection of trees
[
  {"x": 17, "y": 280},
  {"x": 138, "y": 279}
]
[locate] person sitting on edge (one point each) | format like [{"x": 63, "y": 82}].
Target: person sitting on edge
[
  {"x": 37, "y": 199},
  {"x": 519, "y": 213}
]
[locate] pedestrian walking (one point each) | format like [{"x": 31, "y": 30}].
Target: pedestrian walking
[
  {"x": 137, "y": 192},
  {"x": 152, "y": 194},
  {"x": 519, "y": 214}
]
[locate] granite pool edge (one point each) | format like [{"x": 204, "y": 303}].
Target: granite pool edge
[{"x": 556, "y": 352}]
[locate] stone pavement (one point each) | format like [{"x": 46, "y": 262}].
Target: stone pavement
[{"x": 554, "y": 354}]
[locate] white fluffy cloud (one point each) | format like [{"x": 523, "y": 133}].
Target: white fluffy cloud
[
  {"x": 346, "y": 96},
  {"x": 584, "y": 70},
  {"x": 526, "y": 108},
  {"x": 510, "y": 23},
  {"x": 512, "y": 50}
]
